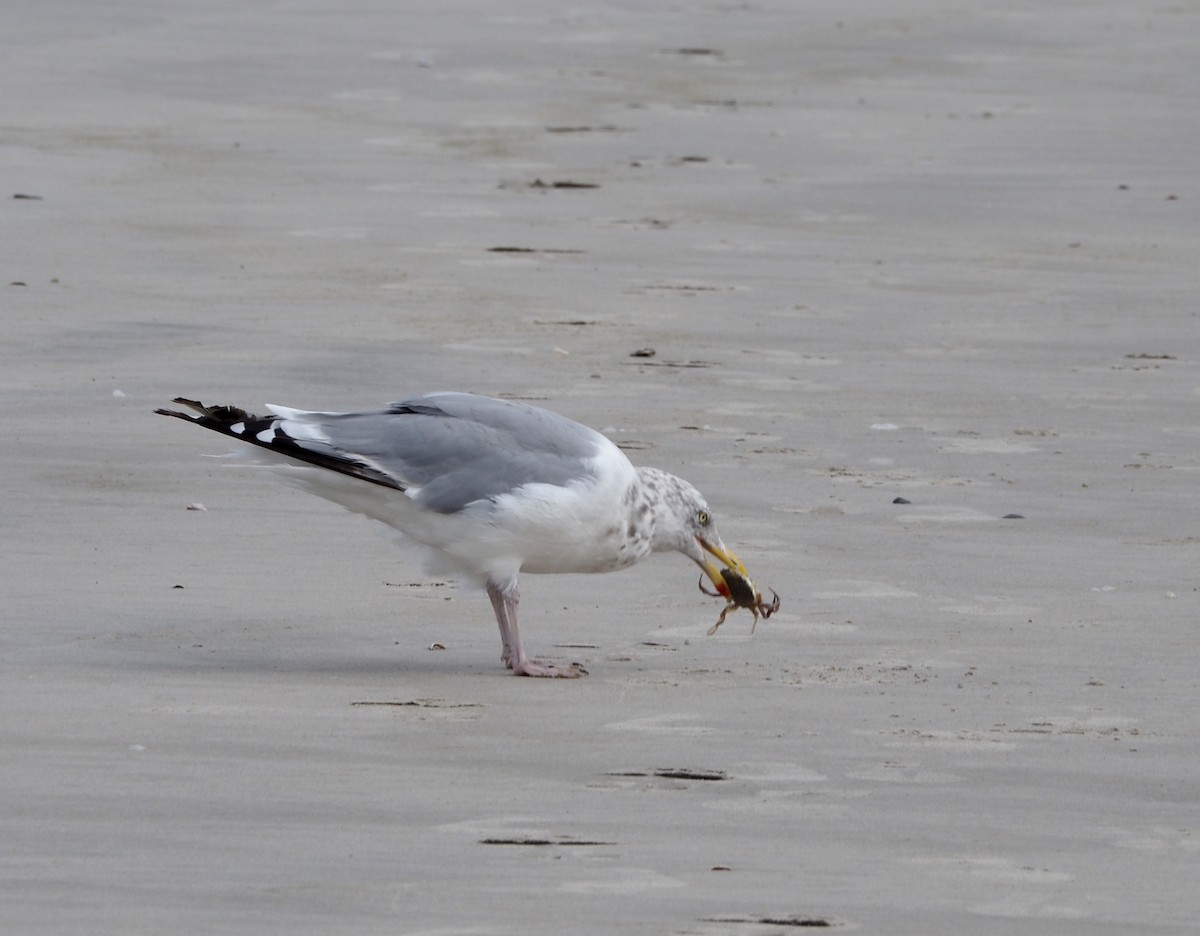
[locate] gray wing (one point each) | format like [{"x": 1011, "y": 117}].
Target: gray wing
[{"x": 450, "y": 449}]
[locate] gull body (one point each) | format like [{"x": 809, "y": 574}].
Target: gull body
[{"x": 491, "y": 488}]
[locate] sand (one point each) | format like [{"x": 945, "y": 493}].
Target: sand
[{"x": 939, "y": 251}]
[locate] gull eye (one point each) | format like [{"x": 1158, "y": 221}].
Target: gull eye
[{"x": 702, "y": 517}]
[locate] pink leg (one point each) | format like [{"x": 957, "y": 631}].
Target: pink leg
[{"x": 505, "y": 602}]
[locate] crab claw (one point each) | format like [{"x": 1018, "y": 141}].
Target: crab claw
[{"x": 766, "y": 610}]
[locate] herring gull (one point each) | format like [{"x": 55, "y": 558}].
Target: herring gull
[{"x": 492, "y": 488}]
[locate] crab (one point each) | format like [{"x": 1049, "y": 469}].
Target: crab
[{"x": 739, "y": 592}]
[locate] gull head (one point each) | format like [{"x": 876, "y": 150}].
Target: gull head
[{"x": 684, "y": 522}]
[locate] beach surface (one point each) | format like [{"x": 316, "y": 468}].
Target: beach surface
[{"x": 908, "y": 291}]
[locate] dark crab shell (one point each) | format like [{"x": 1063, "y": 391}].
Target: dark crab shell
[{"x": 741, "y": 590}]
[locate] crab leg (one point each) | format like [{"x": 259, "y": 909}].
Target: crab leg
[{"x": 721, "y": 620}]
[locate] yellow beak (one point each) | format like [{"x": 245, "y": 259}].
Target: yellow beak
[{"x": 728, "y": 560}]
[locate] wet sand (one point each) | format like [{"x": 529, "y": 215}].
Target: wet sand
[{"x": 944, "y": 254}]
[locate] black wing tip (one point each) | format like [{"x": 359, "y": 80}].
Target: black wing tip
[
  {"x": 222, "y": 414},
  {"x": 230, "y": 420},
  {"x": 236, "y": 422}
]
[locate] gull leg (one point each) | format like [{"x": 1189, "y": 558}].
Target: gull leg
[{"x": 504, "y": 603}]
